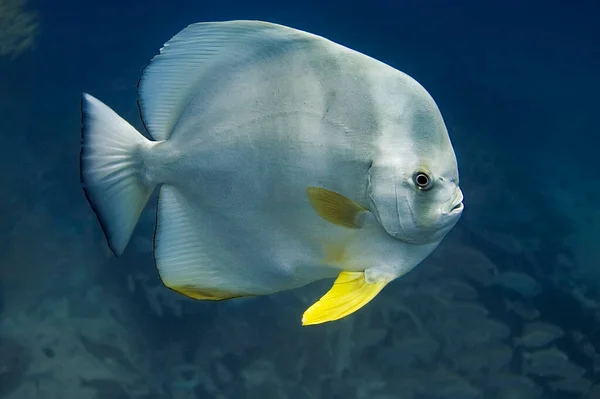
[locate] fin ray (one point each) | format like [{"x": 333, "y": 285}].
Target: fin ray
[
  {"x": 190, "y": 259},
  {"x": 172, "y": 77},
  {"x": 335, "y": 208},
  {"x": 110, "y": 171},
  {"x": 349, "y": 293},
  {"x": 206, "y": 294}
]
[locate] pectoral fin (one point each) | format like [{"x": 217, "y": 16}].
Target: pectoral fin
[
  {"x": 335, "y": 208},
  {"x": 349, "y": 293}
]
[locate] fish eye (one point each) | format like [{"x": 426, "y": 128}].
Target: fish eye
[{"x": 422, "y": 180}]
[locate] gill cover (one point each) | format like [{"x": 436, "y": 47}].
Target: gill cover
[{"x": 381, "y": 189}]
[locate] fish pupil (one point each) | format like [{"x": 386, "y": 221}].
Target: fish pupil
[{"x": 422, "y": 180}]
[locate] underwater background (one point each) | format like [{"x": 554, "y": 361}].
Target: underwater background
[{"x": 506, "y": 308}]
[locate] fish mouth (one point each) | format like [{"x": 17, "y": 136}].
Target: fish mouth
[
  {"x": 457, "y": 208},
  {"x": 458, "y": 204}
]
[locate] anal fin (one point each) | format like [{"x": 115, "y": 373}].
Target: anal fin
[
  {"x": 206, "y": 294},
  {"x": 192, "y": 259},
  {"x": 349, "y": 293}
]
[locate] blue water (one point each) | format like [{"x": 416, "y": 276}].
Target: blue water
[{"x": 517, "y": 83}]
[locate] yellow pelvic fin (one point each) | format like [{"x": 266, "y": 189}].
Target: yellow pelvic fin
[
  {"x": 349, "y": 293},
  {"x": 334, "y": 207},
  {"x": 205, "y": 294}
]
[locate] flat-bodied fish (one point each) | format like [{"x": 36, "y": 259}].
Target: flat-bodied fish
[
  {"x": 538, "y": 334},
  {"x": 550, "y": 363},
  {"x": 521, "y": 283},
  {"x": 282, "y": 158}
]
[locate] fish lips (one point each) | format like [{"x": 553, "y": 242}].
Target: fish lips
[{"x": 457, "y": 204}]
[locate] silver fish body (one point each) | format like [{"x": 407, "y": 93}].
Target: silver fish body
[{"x": 282, "y": 158}]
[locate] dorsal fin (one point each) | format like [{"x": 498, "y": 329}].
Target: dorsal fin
[{"x": 171, "y": 79}]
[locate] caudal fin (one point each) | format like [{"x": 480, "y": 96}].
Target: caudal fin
[{"x": 111, "y": 170}]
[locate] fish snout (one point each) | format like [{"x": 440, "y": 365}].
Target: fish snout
[{"x": 456, "y": 205}]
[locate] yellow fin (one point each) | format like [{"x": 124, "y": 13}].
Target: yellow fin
[
  {"x": 334, "y": 207},
  {"x": 349, "y": 293},
  {"x": 205, "y": 294}
]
